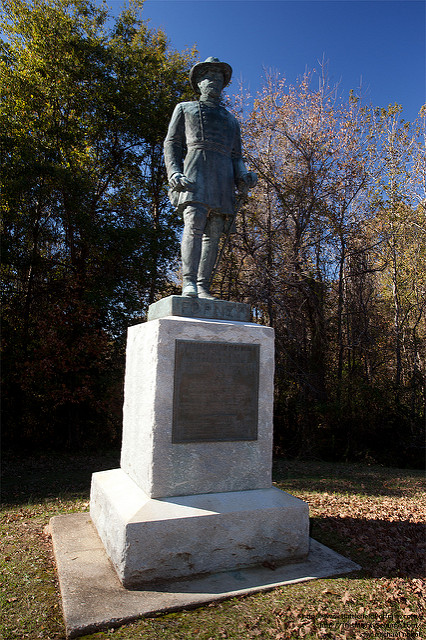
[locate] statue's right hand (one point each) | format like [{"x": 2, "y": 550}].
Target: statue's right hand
[{"x": 179, "y": 182}]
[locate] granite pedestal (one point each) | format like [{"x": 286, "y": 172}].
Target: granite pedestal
[{"x": 194, "y": 492}]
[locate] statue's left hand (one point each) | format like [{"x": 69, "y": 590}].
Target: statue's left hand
[
  {"x": 247, "y": 181},
  {"x": 179, "y": 182}
]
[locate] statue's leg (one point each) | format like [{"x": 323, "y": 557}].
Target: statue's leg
[
  {"x": 194, "y": 218},
  {"x": 210, "y": 245}
]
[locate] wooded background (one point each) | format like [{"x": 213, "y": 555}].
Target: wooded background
[{"x": 330, "y": 247}]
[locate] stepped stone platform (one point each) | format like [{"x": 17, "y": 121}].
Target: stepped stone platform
[{"x": 191, "y": 516}]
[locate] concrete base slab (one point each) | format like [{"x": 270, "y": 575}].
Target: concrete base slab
[{"x": 93, "y": 597}]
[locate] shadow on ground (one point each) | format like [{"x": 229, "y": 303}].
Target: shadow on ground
[
  {"x": 383, "y": 548},
  {"x": 347, "y": 478},
  {"x": 35, "y": 479}
]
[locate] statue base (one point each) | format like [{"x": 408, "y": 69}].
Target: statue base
[
  {"x": 194, "y": 492},
  {"x": 186, "y": 307}
]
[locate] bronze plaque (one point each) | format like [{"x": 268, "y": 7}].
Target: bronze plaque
[{"x": 215, "y": 392}]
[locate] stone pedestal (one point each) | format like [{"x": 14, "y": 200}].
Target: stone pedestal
[
  {"x": 194, "y": 492},
  {"x": 154, "y": 540},
  {"x": 183, "y": 378}
]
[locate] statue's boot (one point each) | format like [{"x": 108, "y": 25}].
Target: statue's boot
[
  {"x": 189, "y": 289},
  {"x": 191, "y": 249},
  {"x": 210, "y": 246},
  {"x": 204, "y": 293}
]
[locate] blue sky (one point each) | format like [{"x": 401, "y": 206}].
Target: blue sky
[{"x": 378, "y": 44}]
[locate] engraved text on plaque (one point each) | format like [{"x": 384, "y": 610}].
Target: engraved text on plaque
[{"x": 215, "y": 391}]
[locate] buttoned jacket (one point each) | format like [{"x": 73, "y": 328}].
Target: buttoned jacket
[{"x": 204, "y": 143}]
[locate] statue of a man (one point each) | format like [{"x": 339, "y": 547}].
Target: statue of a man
[{"x": 204, "y": 165}]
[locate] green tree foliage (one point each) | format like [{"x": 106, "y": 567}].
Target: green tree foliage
[
  {"x": 330, "y": 251},
  {"x": 88, "y": 235}
]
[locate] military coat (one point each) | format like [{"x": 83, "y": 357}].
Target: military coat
[{"x": 204, "y": 143}]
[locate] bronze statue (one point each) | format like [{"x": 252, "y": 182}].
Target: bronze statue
[{"x": 204, "y": 165}]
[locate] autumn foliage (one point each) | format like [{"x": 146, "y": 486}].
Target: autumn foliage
[
  {"x": 330, "y": 248},
  {"x": 331, "y": 252},
  {"x": 88, "y": 235}
]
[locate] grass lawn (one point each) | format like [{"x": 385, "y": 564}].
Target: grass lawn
[{"x": 371, "y": 514}]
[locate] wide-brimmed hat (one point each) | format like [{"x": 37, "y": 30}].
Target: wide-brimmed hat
[{"x": 209, "y": 63}]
